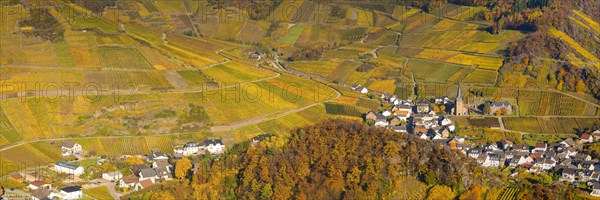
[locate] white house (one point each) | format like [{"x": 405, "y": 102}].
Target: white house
[
  {"x": 156, "y": 155},
  {"x": 213, "y": 146},
  {"x": 34, "y": 185},
  {"x": 162, "y": 168},
  {"x": 191, "y": 148},
  {"x": 69, "y": 148},
  {"x": 382, "y": 123},
  {"x": 71, "y": 192},
  {"x": 596, "y": 190},
  {"x": 587, "y": 138},
  {"x": 63, "y": 167},
  {"x": 144, "y": 184},
  {"x": 147, "y": 173},
  {"x": 362, "y": 90},
  {"x": 112, "y": 176},
  {"x": 128, "y": 181},
  {"x": 42, "y": 194},
  {"x": 386, "y": 113}
]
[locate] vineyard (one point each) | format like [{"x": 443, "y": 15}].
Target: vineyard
[
  {"x": 116, "y": 57},
  {"x": 341, "y": 109},
  {"x": 509, "y": 194}
]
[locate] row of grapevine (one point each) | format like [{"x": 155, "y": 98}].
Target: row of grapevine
[
  {"x": 509, "y": 193},
  {"x": 340, "y": 109}
]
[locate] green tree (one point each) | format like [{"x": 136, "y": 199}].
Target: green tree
[{"x": 430, "y": 178}]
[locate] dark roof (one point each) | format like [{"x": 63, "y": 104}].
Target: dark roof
[
  {"x": 67, "y": 165},
  {"x": 68, "y": 144},
  {"x": 71, "y": 189},
  {"x": 569, "y": 171},
  {"x": 156, "y": 154},
  {"x": 423, "y": 102},
  {"x": 500, "y": 104},
  {"x": 213, "y": 142},
  {"x": 137, "y": 168},
  {"x": 596, "y": 186},
  {"x": 191, "y": 144},
  {"x": 41, "y": 193},
  {"x": 162, "y": 163},
  {"x": 147, "y": 172}
]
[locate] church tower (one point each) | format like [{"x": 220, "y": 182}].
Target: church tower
[{"x": 459, "y": 108}]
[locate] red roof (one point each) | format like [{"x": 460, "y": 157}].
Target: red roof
[
  {"x": 585, "y": 136},
  {"x": 146, "y": 183},
  {"x": 38, "y": 183}
]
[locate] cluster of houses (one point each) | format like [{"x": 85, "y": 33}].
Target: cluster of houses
[
  {"x": 194, "y": 148},
  {"x": 419, "y": 119},
  {"x": 41, "y": 190},
  {"x": 142, "y": 175}
]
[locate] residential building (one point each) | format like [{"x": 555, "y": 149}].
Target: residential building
[
  {"x": 71, "y": 192},
  {"x": 595, "y": 190},
  {"x": 69, "y": 148},
  {"x": 162, "y": 168},
  {"x": 42, "y": 194},
  {"x": 423, "y": 107},
  {"x": 144, "y": 184},
  {"x": 147, "y": 173},
  {"x": 587, "y": 138},
  {"x": 157, "y": 155},
  {"x": 34, "y": 185},
  {"x": 213, "y": 146},
  {"x": 128, "y": 181},
  {"x": 112, "y": 176}
]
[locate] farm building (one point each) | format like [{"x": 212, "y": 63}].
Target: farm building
[{"x": 68, "y": 168}]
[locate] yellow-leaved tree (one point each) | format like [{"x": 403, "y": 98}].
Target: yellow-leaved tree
[
  {"x": 440, "y": 192},
  {"x": 182, "y": 166}
]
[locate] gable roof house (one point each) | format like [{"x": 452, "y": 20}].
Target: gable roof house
[
  {"x": 423, "y": 106},
  {"x": 71, "y": 192},
  {"x": 147, "y": 174},
  {"x": 505, "y": 144},
  {"x": 521, "y": 148},
  {"x": 539, "y": 147},
  {"x": 34, "y": 185},
  {"x": 568, "y": 142},
  {"x": 136, "y": 169},
  {"x": 163, "y": 168},
  {"x": 42, "y": 194},
  {"x": 474, "y": 152},
  {"x": 587, "y": 138},
  {"x": 371, "y": 115},
  {"x": 112, "y": 176},
  {"x": 190, "y": 148},
  {"x": 213, "y": 146},
  {"x": 595, "y": 190},
  {"x": 157, "y": 155},
  {"x": 69, "y": 148},
  {"x": 128, "y": 181},
  {"x": 399, "y": 129},
  {"x": 144, "y": 184},
  {"x": 569, "y": 174}
]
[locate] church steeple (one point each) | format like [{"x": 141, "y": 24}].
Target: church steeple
[
  {"x": 459, "y": 107},
  {"x": 459, "y": 95}
]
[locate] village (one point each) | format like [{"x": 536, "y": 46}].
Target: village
[
  {"x": 564, "y": 158},
  {"x": 70, "y": 179}
]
